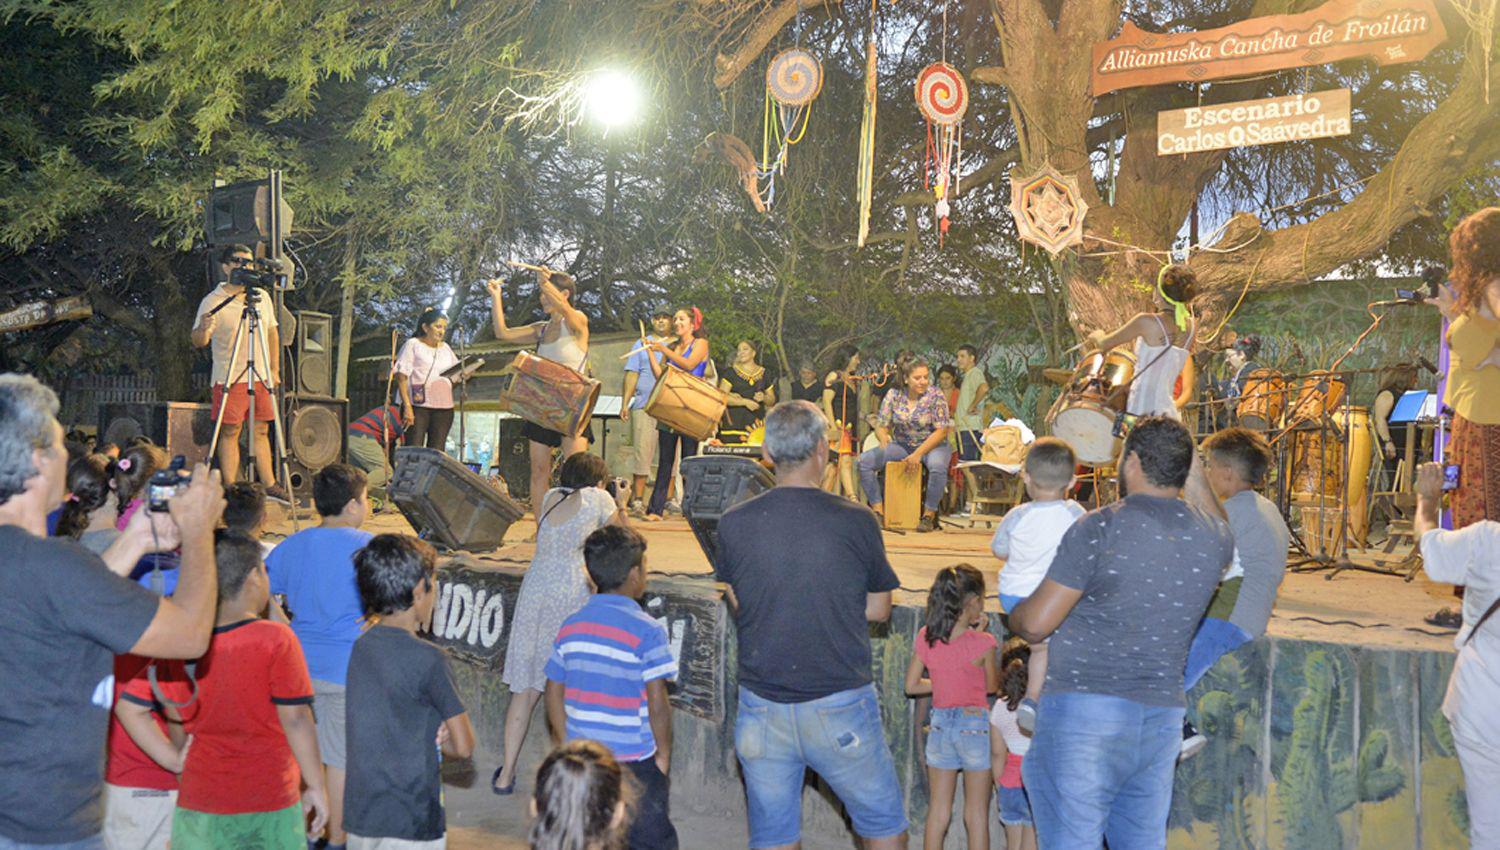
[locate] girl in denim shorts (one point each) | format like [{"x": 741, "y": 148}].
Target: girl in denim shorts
[
  {"x": 957, "y": 653},
  {"x": 1008, "y": 745}
]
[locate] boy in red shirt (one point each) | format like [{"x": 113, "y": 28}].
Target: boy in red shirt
[
  {"x": 251, "y": 727},
  {"x": 140, "y": 776}
]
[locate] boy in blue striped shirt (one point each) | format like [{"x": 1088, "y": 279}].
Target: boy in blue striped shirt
[{"x": 607, "y": 679}]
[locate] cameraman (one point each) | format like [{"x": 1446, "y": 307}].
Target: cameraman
[
  {"x": 218, "y": 320},
  {"x": 66, "y": 617}
]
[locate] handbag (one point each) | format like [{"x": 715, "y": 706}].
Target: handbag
[{"x": 419, "y": 391}]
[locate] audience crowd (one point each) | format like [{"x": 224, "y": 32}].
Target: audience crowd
[{"x": 274, "y": 697}]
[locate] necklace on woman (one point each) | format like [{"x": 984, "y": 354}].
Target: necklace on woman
[{"x": 752, "y": 374}]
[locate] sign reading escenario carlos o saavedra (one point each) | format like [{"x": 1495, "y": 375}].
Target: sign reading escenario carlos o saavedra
[
  {"x": 1298, "y": 117},
  {"x": 1387, "y": 31}
]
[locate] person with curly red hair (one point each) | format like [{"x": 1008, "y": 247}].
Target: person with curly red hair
[{"x": 1472, "y": 306}]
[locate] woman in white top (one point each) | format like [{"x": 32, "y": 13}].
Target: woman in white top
[
  {"x": 426, "y": 396},
  {"x": 1163, "y": 343},
  {"x": 563, "y": 337}
]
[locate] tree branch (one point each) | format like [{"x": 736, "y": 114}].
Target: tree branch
[
  {"x": 772, "y": 21},
  {"x": 1459, "y": 137}
]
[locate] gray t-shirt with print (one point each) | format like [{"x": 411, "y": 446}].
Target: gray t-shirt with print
[{"x": 1147, "y": 567}]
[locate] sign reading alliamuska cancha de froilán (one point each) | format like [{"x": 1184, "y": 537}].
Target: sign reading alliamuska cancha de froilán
[
  {"x": 1385, "y": 30},
  {"x": 1297, "y": 117}
]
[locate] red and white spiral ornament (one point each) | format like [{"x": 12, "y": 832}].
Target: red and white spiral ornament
[{"x": 943, "y": 98}]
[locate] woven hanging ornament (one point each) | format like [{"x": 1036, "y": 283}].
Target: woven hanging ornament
[
  {"x": 943, "y": 98},
  {"x": 794, "y": 77},
  {"x": 793, "y": 80}
]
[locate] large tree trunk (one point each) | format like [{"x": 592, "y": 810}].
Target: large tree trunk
[{"x": 1045, "y": 70}]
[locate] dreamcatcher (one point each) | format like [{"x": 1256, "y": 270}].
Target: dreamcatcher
[
  {"x": 943, "y": 97},
  {"x": 793, "y": 80}
]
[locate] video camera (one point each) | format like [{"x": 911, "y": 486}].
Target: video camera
[{"x": 264, "y": 273}]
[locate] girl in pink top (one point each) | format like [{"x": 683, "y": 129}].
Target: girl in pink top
[{"x": 957, "y": 653}]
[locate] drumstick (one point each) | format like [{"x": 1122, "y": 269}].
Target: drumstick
[{"x": 520, "y": 265}]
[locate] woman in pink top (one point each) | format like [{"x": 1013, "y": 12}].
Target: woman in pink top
[{"x": 957, "y": 653}]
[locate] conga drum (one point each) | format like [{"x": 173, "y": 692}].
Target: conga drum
[
  {"x": 1084, "y": 415},
  {"x": 1263, "y": 400},
  {"x": 550, "y": 395},
  {"x": 1320, "y": 394},
  {"x": 1357, "y": 482},
  {"x": 687, "y": 404}
]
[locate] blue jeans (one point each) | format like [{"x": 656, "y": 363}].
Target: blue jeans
[
  {"x": 1214, "y": 639},
  {"x": 840, "y": 737},
  {"x": 936, "y": 461},
  {"x": 93, "y": 843},
  {"x": 1100, "y": 767},
  {"x": 958, "y": 739}
]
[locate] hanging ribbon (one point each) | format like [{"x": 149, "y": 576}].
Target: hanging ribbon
[{"x": 867, "y": 132}]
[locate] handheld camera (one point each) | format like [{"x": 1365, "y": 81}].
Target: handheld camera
[{"x": 163, "y": 485}]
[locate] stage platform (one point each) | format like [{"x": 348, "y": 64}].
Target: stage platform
[{"x": 1353, "y": 608}]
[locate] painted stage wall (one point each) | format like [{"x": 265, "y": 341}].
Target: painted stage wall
[{"x": 1311, "y": 745}]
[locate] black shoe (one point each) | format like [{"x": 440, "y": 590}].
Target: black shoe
[
  {"x": 278, "y": 493},
  {"x": 928, "y": 523},
  {"x": 503, "y": 791},
  {"x": 1192, "y": 741},
  {"x": 1445, "y": 618}
]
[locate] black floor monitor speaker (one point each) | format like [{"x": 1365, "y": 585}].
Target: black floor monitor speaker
[
  {"x": 713, "y": 485},
  {"x": 448, "y": 505},
  {"x": 316, "y": 435},
  {"x": 178, "y": 427}
]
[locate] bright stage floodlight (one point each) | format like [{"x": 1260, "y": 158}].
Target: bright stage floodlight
[{"x": 612, "y": 98}]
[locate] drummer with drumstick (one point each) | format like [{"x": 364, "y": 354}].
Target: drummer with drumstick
[
  {"x": 562, "y": 338},
  {"x": 689, "y": 352},
  {"x": 1163, "y": 342}
]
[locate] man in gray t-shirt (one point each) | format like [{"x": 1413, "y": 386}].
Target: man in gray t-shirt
[
  {"x": 1121, "y": 603},
  {"x": 1235, "y": 461}
]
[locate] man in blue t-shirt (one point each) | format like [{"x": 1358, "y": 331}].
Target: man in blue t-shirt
[
  {"x": 639, "y": 382},
  {"x": 314, "y": 571}
]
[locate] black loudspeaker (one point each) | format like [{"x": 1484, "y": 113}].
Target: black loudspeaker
[
  {"x": 448, "y": 505},
  {"x": 178, "y": 427},
  {"x": 314, "y": 354},
  {"x": 713, "y": 485},
  {"x": 316, "y": 435},
  {"x": 513, "y": 458}
]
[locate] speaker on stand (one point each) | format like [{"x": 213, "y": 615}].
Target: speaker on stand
[{"x": 314, "y": 375}]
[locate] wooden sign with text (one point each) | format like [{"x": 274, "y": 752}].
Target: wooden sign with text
[
  {"x": 39, "y": 313},
  {"x": 1385, "y": 30},
  {"x": 1315, "y": 115}
]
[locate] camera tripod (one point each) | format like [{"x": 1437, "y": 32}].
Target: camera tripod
[{"x": 249, "y": 329}]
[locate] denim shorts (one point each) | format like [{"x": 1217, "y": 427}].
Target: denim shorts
[
  {"x": 958, "y": 739},
  {"x": 1014, "y": 805},
  {"x": 1008, "y": 603},
  {"x": 839, "y": 736}
]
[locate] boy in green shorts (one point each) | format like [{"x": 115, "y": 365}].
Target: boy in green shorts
[{"x": 251, "y": 738}]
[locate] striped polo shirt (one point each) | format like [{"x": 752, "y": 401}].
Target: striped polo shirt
[
  {"x": 378, "y": 426},
  {"x": 604, "y": 656}
]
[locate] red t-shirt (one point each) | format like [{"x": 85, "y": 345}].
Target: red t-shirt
[
  {"x": 240, "y": 761},
  {"x": 956, "y": 668},
  {"x": 128, "y": 765}
]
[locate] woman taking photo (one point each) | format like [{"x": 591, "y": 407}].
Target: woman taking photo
[
  {"x": 751, "y": 392},
  {"x": 1163, "y": 342},
  {"x": 690, "y": 354},
  {"x": 554, "y": 587},
  {"x": 426, "y": 396},
  {"x": 912, "y": 427}
]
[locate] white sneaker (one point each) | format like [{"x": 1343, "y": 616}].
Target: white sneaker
[{"x": 1193, "y": 741}]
